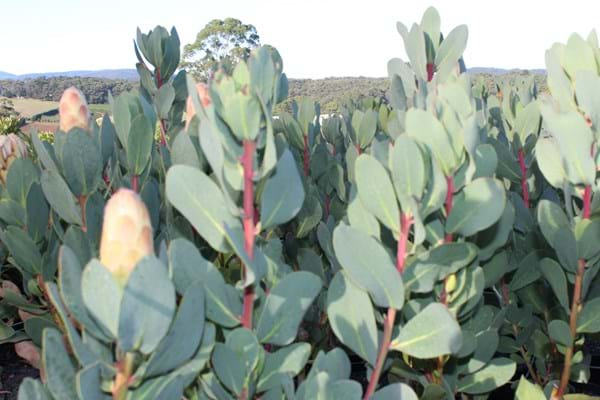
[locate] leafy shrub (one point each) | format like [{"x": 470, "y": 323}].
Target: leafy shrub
[{"x": 441, "y": 241}]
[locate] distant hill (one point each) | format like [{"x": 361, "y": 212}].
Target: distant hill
[
  {"x": 501, "y": 71},
  {"x": 131, "y": 74},
  {"x": 127, "y": 74}
]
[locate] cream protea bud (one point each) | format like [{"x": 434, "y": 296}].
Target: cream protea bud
[
  {"x": 73, "y": 110},
  {"x": 126, "y": 234},
  {"x": 11, "y": 148},
  {"x": 190, "y": 111}
]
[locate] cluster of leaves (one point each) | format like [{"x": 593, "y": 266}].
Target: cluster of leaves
[{"x": 440, "y": 241}]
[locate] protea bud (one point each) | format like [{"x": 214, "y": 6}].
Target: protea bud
[
  {"x": 190, "y": 111},
  {"x": 126, "y": 234},
  {"x": 11, "y": 148},
  {"x": 73, "y": 110}
]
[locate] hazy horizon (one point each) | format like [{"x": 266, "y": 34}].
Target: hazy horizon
[{"x": 316, "y": 39}]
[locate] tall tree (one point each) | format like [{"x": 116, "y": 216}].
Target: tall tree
[{"x": 221, "y": 42}]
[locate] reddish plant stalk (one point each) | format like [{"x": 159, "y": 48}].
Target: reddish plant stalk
[
  {"x": 82, "y": 204},
  {"x": 248, "y": 221},
  {"x": 135, "y": 183},
  {"x": 430, "y": 71},
  {"x": 358, "y": 149},
  {"x": 587, "y": 202},
  {"x": 388, "y": 325},
  {"x": 575, "y": 305},
  {"x": 306, "y": 157},
  {"x": 524, "y": 187},
  {"x": 448, "y": 203}
]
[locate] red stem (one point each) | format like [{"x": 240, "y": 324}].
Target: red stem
[
  {"x": 430, "y": 71},
  {"x": 524, "y": 187},
  {"x": 575, "y": 305},
  {"x": 448, "y": 203},
  {"x": 587, "y": 202},
  {"x": 306, "y": 157},
  {"x": 358, "y": 149},
  {"x": 248, "y": 202},
  {"x": 388, "y": 325},
  {"x": 82, "y": 204},
  {"x": 134, "y": 183}
]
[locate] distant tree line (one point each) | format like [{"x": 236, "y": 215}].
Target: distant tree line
[
  {"x": 51, "y": 88},
  {"x": 330, "y": 93}
]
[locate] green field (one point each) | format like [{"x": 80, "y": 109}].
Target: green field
[{"x": 30, "y": 107}]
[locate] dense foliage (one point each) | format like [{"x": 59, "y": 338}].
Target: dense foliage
[
  {"x": 96, "y": 90},
  {"x": 221, "y": 43},
  {"x": 441, "y": 244}
]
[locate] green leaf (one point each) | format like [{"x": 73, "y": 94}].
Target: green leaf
[
  {"x": 477, "y": 207},
  {"x": 367, "y": 128},
  {"x": 557, "y": 230},
  {"x": 69, "y": 280},
  {"x": 351, "y": 317},
  {"x": 82, "y": 162},
  {"x": 395, "y": 391},
  {"x": 60, "y": 372},
  {"x": 187, "y": 266},
  {"x": 60, "y": 197},
  {"x": 498, "y": 372},
  {"x": 147, "y": 307},
  {"x": 21, "y": 175},
  {"x": 376, "y": 191},
  {"x": 101, "y": 295},
  {"x": 236, "y": 359},
  {"x": 450, "y": 51},
  {"x": 139, "y": 144},
  {"x": 529, "y": 391},
  {"x": 369, "y": 266},
  {"x": 560, "y": 332},
  {"x": 425, "y": 128},
  {"x": 201, "y": 201},
  {"x": 89, "y": 381},
  {"x": 32, "y": 389},
  {"x": 361, "y": 219},
  {"x": 555, "y": 275},
  {"x": 487, "y": 344},
  {"x": 409, "y": 171},
  {"x": 550, "y": 161},
  {"x": 23, "y": 249},
  {"x": 184, "y": 152},
  {"x": 574, "y": 139},
  {"x": 415, "y": 49},
  {"x": 288, "y": 361},
  {"x": 283, "y": 194},
  {"x": 184, "y": 336},
  {"x": 285, "y": 307},
  {"x": 588, "y": 320},
  {"x": 164, "y": 99},
  {"x": 431, "y": 333},
  {"x": 427, "y": 268}
]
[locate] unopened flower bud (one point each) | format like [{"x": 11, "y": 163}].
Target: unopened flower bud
[
  {"x": 11, "y": 148},
  {"x": 126, "y": 234},
  {"x": 450, "y": 283},
  {"x": 190, "y": 111},
  {"x": 73, "y": 110}
]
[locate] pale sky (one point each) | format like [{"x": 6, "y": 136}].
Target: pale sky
[{"x": 315, "y": 38}]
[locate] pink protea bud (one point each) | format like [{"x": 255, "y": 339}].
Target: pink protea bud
[
  {"x": 126, "y": 234},
  {"x": 73, "y": 110},
  {"x": 11, "y": 148},
  {"x": 190, "y": 111}
]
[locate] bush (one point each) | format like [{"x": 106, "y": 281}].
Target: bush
[{"x": 442, "y": 242}]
